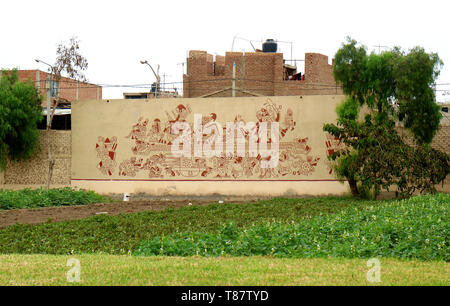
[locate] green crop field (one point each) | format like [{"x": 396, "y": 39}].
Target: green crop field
[
  {"x": 124, "y": 233},
  {"x": 311, "y": 241}
]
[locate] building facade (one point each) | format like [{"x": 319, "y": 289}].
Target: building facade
[
  {"x": 256, "y": 74},
  {"x": 68, "y": 89}
]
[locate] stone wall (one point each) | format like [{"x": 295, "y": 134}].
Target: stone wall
[
  {"x": 131, "y": 148},
  {"x": 35, "y": 170},
  {"x": 441, "y": 140}
]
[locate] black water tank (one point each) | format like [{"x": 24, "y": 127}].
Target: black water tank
[{"x": 270, "y": 46}]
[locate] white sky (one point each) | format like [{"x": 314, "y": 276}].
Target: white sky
[{"x": 115, "y": 35}]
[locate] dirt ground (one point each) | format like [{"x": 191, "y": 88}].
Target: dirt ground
[
  {"x": 62, "y": 213},
  {"x": 138, "y": 203}
]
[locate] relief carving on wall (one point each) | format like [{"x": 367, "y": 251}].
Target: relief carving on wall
[
  {"x": 152, "y": 141},
  {"x": 106, "y": 151},
  {"x": 333, "y": 145}
]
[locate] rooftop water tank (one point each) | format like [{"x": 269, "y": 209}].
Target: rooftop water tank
[{"x": 270, "y": 46}]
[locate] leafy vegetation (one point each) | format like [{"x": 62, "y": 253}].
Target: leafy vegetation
[
  {"x": 122, "y": 234},
  {"x": 20, "y": 112},
  {"x": 393, "y": 86},
  {"x": 315, "y": 227},
  {"x": 410, "y": 229},
  {"x": 34, "y": 198}
]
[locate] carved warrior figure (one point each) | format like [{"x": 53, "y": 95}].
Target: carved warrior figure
[
  {"x": 288, "y": 123},
  {"x": 106, "y": 151},
  {"x": 270, "y": 112}
]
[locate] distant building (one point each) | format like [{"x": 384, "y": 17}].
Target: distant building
[
  {"x": 150, "y": 95},
  {"x": 256, "y": 73},
  {"x": 445, "y": 120},
  {"x": 68, "y": 89}
]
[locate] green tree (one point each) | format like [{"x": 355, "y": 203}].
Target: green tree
[
  {"x": 20, "y": 112},
  {"x": 392, "y": 87}
]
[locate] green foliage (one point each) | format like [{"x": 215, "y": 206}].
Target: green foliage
[
  {"x": 20, "y": 112},
  {"x": 377, "y": 157},
  {"x": 392, "y": 86},
  {"x": 348, "y": 110},
  {"x": 121, "y": 234},
  {"x": 415, "y": 76},
  {"x": 34, "y": 198},
  {"x": 425, "y": 168},
  {"x": 410, "y": 229},
  {"x": 393, "y": 82}
]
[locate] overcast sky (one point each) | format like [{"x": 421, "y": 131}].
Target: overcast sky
[{"x": 115, "y": 35}]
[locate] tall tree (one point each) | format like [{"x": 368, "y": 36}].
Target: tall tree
[
  {"x": 71, "y": 63},
  {"x": 393, "y": 86},
  {"x": 20, "y": 113}
]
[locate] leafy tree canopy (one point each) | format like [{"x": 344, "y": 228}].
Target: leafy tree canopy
[
  {"x": 20, "y": 112},
  {"x": 393, "y": 82},
  {"x": 394, "y": 86}
]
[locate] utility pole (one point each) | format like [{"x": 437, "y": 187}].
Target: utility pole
[
  {"x": 49, "y": 89},
  {"x": 164, "y": 80},
  {"x": 158, "y": 78},
  {"x": 49, "y": 93},
  {"x": 233, "y": 84}
]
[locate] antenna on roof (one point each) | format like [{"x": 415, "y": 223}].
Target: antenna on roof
[{"x": 250, "y": 41}]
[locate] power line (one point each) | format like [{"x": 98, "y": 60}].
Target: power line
[
  {"x": 193, "y": 82},
  {"x": 305, "y": 85}
]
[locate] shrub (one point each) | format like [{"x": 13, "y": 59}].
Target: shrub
[{"x": 34, "y": 198}]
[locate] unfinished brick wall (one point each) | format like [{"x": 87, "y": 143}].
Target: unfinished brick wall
[
  {"x": 257, "y": 73},
  {"x": 69, "y": 89},
  {"x": 35, "y": 170}
]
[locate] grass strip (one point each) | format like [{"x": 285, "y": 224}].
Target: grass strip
[{"x": 222, "y": 271}]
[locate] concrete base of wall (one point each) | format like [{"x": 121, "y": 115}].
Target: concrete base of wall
[
  {"x": 181, "y": 188},
  {"x": 30, "y": 186}
]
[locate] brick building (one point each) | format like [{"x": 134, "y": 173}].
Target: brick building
[
  {"x": 69, "y": 89},
  {"x": 256, "y": 73}
]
